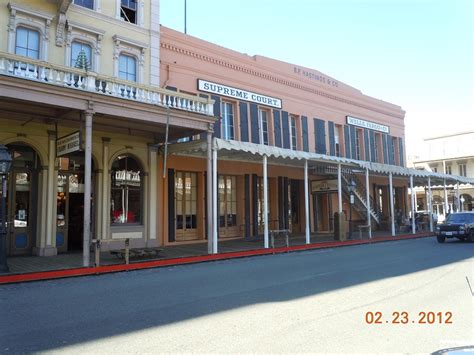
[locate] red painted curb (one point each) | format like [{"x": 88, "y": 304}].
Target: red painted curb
[{"x": 47, "y": 275}]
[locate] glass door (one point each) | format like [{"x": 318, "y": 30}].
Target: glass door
[
  {"x": 22, "y": 200},
  {"x": 19, "y": 212},
  {"x": 228, "y": 207},
  {"x": 186, "y": 206}
]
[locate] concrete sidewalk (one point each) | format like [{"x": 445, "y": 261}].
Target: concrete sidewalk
[{"x": 70, "y": 264}]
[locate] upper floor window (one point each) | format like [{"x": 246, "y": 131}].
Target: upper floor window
[
  {"x": 293, "y": 133},
  {"x": 392, "y": 150},
  {"x": 263, "y": 126},
  {"x": 27, "y": 42},
  {"x": 76, "y": 48},
  {"x": 337, "y": 142},
  {"x": 434, "y": 169},
  {"x": 127, "y": 67},
  {"x": 85, "y": 3},
  {"x": 357, "y": 145},
  {"x": 449, "y": 169},
  {"x": 376, "y": 147},
  {"x": 227, "y": 110},
  {"x": 128, "y": 10},
  {"x": 462, "y": 170}
]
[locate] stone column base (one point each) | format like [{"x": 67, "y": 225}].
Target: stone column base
[{"x": 46, "y": 251}]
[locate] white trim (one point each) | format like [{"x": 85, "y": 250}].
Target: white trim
[
  {"x": 28, "y": 18},
  {"x": 87, "y": 35},
  {"x": 139, "y": 15},
  {"x": 132, "y": 48}
]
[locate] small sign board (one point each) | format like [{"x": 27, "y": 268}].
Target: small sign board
[
  {"x": 354, "y": 121},
  {"x": 68, "y": 144},
  {"x": 324, "y": 185}
]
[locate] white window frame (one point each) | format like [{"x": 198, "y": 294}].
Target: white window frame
[
  {"x": 28, "y": 49},
  {"x": 97, "y": 6},
  {"x": 224, "y": 123},
  {"x": 260, "y": 122},
  {"x": 140, "y": 12},
  {"x": 35, "y": 20},
  {"x": 293, "y": 133},
  {"x": 462, "y": 169},
  {"x": 86, "y": 35},
  {"x": 132, "y": 48},
  {"x": 125, "y": 54}
]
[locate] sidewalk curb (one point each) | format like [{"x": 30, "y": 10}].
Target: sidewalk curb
[{"x": 56, "y": 274}]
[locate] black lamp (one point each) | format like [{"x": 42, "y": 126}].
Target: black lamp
[{"x": 5, "y": 165}]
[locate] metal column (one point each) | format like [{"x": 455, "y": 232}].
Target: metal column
[
  {"x": 413, "y": 226},
  {"x": 339, "y": 188},
  {"x": 265, "y": 202},
  {"x": 446, "y": 202},
  {"x": 215, "y": 225},
  {"x": 209, "y": 192},
  {"x": 87, "y": 190},
  {"x": 306, "y": 201},
  {"x": 458, "y": 202},
  {"x": 367, "y": 197},
  {"x": 430, "y": 204},
  {"x": 392, "y": 216}
]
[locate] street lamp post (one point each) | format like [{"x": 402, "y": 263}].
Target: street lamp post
[
  {"x": 5, "y": 164},
  {"x": 351, "y": 187}
]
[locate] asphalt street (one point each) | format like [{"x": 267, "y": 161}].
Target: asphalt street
[{"x": 312, "y": 301}]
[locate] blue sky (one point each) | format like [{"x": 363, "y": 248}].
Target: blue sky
[{"x": 414, "y": 53}]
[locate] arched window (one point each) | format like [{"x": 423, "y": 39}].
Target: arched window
[
  {"x": 27, "y": 42},
  {"x": 126, "y": 191}
]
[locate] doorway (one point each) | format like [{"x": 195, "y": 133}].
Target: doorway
[
  {"x": 324, "y": 221},
  {"x": 22, "y": 200},
  {"x": 70, "y": 203}
]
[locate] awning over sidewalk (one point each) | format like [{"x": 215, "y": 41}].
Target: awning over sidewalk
[{"x": 245, "y": 151}]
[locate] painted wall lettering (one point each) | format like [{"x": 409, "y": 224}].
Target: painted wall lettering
[{"x": 219, "y": 89}]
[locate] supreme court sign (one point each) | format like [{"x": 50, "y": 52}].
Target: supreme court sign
[
  {"x": 240, "y": 94},
  {"x": 68, "y": 144}
]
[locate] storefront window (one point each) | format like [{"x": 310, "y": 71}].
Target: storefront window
[
  {"x": 227, "y": 201},
  {"x": 186, "y": 200},
  {"x": 126, "y": 191}
]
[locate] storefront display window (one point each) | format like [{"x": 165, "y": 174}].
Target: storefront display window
[{"x": 126, "y": 191}]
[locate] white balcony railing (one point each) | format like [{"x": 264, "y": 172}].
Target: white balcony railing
[{"x": 73, "y": 78}]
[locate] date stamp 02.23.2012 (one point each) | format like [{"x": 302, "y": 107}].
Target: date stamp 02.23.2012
[{"x": 402, "y": 317}]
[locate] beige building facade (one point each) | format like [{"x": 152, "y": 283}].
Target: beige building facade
[{"x": 77, "y": 78}]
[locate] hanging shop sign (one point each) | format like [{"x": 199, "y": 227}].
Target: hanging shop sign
[
  {"x": 324, "y": 185},
  {"x": 367, "y": 124},
  {"x": 239, "y": 94},
  {"x": 68, "y": 144}
]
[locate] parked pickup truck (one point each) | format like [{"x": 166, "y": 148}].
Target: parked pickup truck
[{"x": 457, "y": 225}]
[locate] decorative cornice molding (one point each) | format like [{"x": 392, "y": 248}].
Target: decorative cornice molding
[{"x": 260, "y": 74}]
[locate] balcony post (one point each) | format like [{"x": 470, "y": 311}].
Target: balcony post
[
  {"x": 87, "y": 187},
  {"x": 392, "y": 215},
  {"x": 306, "y": 202}
]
